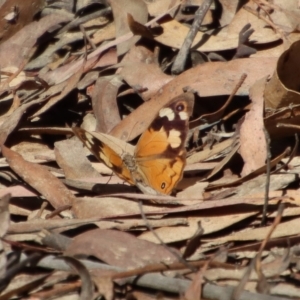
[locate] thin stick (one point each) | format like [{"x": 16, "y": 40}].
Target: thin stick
[
  {"x": 268, "y": 173},
  {"x": 86, "y": 38},
  {"x": 180, "y": 61}
]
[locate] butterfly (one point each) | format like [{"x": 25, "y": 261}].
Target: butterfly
[{"x": 155, "y": 165}]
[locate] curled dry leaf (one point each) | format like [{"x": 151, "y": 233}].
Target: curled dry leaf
[{"x": 283, "y": 88}]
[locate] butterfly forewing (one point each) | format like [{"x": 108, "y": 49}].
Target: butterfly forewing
[{"x": 104, "y": 153}]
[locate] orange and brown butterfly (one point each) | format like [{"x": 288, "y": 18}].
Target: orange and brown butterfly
[{"x": 155, "y": 165}]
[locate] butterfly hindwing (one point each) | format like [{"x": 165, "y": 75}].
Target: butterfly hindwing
[{"x": 160, "y": 152}]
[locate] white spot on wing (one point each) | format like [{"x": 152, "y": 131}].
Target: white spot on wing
[
  {"x": 183, "y": 115},
  {"x": 167, "y": 112},
  {"x": 174, "y": 138},
  {"x": 105, "y": 159},
  {"x": 89, "y": 138}
]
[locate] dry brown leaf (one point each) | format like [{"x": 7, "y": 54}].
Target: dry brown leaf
[
  {"x": 207, "y": 153},
  {"x": 146, "y": 76},
  {"x": 252, "y": 137},
  {"x": 40, "y": 179},
  {"x": 229, "y": 183},
  {"x": 104, "y": 100},
  {"x": 16, "y": 14},
  {"x": 64, "y": 89},
  {"x": 10, "y": 122},
  {"x": 34, "y": 150},
  {"x": 70, "y": 158},
  {"x": 15, "y": 50},
  {"x": 119, "y": 249}
]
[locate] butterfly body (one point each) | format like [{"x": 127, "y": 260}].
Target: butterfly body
[{"x": 156, "y": 164}]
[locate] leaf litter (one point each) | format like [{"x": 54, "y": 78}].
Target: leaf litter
[{"x": 230, "y": 228}]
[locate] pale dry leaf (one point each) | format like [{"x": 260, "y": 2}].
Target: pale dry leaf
[
  {"x": 33, "y": 150},
  {"x": 258, "y": 184},
  {"x": 17, "y": 191},
  {"x": 227, "y": 38},
  {"x": 108, "y": 207},
  {"x": 87, "y": 286},
  {"x": 35, "y": 225},
  {"x": 138, "y": 9},
  {"x": 229, "y": 9},
  {"x": 209, "y": 224},
  {"x": 193, "y": 192},
  {"x": 284, "y": 229}
]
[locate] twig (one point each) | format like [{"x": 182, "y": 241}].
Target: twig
[
  {"x": 269, "y": 22},
  {"x": 43, "y": 206},
  {"x": 194, "y": 291},
  {"x": 274, "y": 225},
  {"x": 76, "y": 22},
  {"x": 292, "y": 155},
  {"x": 240, "y": 287},
  {"x": 58, "y": 211},
  {"x": 267, "y": 187},
  {"x": 161, "y": 267},
  {"x": 293, "y": 126},
  {"x": 180, "y": 61},
  {"x": 262, "y": 282},
  {"x": 217, "y": 115},
  {"x": 86, "y": 38},
  {"x": 255, "y": 262}
]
